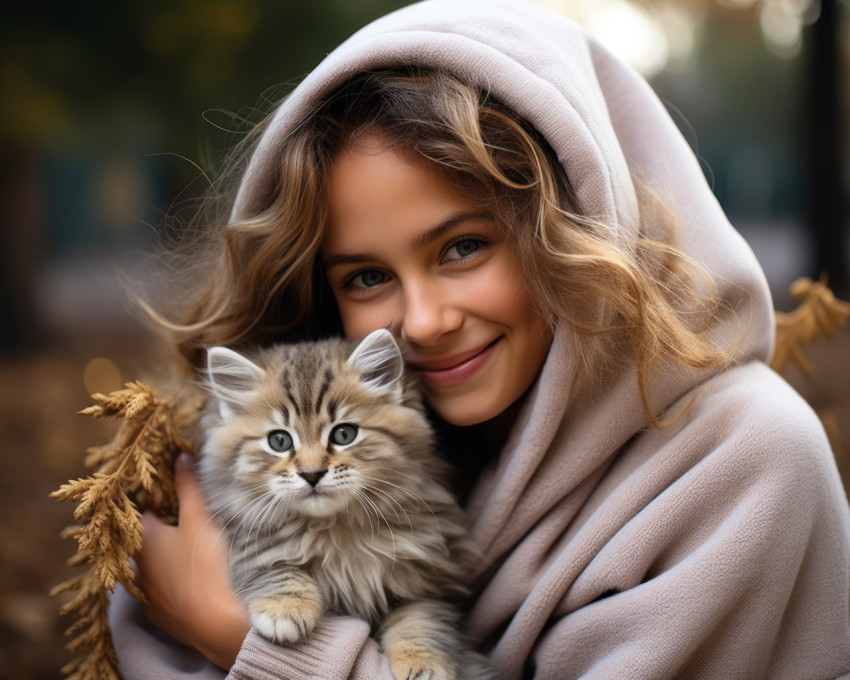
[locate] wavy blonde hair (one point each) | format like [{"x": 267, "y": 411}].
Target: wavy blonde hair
[{"x": 259, "y": 280}]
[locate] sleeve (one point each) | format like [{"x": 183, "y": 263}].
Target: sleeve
[
  {"x": 146, "y": 653},
  {"x": 339, "y": 648}
]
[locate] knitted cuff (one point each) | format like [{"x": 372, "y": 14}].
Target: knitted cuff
[{"x": 338, "y": 648}]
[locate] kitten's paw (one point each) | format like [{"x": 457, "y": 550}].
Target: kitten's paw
[
  {"x": 285, "y": 619},
  {"x": 410, "y": 661}
]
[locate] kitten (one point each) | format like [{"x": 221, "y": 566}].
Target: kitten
[{"x": 319, "y": 464}]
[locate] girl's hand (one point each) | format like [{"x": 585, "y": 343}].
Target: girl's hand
[{"x": 183, "y": 572}]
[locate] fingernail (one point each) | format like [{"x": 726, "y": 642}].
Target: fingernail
[{"x": 183, "y": 462}]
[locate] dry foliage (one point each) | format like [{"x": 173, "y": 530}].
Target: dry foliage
[
  {"x": 130, "y": 473},
  {"x": 819, "y": 315}
]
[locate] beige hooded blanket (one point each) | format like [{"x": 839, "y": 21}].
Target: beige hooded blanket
[{"x": 717, "y": 549}]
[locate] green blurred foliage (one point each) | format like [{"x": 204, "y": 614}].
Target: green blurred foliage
[
  {"x": 115, "y": 112},
  {"x": 109, "y": 74}
]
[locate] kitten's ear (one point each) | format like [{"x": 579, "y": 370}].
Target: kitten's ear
[
  {"x": 378, "y": 360},
  {"x": 231, "y": 377}
]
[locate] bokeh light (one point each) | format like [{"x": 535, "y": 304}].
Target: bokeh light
[
  {"x": 649, "y": 37},
  {"x": 101, "y": 375}
]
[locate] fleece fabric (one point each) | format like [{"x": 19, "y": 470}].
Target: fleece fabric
[{"x": 719, "y": 548}]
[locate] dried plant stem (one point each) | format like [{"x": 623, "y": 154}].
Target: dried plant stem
[
  {"x": 131, "y": 472},
  {"x": 819, "y": 315}
]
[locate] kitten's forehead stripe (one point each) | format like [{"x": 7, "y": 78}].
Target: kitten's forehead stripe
[
  {"x": 293, "y": 401},
  {"x": 304, "y": 402},
  {"x": 333, "y": 407},
  {"x": 323, "y": 390}
]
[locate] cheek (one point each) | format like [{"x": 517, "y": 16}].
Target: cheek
[
  {"x": 529, "y": 338},
  {"x": 497, "y": 293},
  {"x": 358, "y": 320}
]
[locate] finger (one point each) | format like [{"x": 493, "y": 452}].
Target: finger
[
  {"x": 155, "y": 561},
  {"x": 155, "y": 535},
  {"x": 188, "y": 489},
  {"x": 153, "y": 528}
]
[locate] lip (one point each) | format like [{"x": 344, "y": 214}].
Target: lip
[{"x": 455, "y": 369}]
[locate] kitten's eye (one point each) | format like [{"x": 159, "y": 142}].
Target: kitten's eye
[
  {"x": 344, "y": 434},
  {"x": 280, "y": 440}
]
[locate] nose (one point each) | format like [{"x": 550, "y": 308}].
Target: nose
[
  {"x": 429, "y": 313},
  {"x": 312, "y": 478}
]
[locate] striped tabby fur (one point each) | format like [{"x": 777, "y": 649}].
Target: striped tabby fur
[{"x": 349, "y": 519}]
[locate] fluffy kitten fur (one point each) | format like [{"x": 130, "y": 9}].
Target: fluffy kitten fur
[{"x": 349, "y": 517}]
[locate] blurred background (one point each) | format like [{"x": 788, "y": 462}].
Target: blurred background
[{"x": 114, "y": 113}]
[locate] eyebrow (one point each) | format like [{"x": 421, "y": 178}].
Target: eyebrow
[
  {"x": 360, "y": 258},
  {"x": 450, "y": 222},
  {"x": 417, "y": 243}
]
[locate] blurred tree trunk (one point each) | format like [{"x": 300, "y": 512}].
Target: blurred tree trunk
[
  {"x": 825, "y": 207},
  {"x": 19, "y": 242}
]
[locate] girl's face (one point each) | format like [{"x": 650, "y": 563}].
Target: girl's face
[{"x": 403, "y": 249}]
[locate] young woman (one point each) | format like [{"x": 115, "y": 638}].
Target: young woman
[{"x": 514, "y": 204}]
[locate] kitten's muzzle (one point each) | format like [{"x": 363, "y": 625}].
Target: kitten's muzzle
[{"x": 312, "y": 478}]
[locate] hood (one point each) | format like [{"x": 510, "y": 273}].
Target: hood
[{"x": 606, "y": 125}]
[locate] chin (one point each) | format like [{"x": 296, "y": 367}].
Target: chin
[
  {"x": 323, "y": 505},
  {"x": 466, "y": 412}
]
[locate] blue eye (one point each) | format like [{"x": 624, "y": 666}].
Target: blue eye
[
  {"x": 280, "y": 440},
  {"x": 344, "y": 434},
  {"x": 370, "y": 278},
  {"x": 464, "y": 248}
]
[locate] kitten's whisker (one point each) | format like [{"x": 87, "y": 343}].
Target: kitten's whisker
[
  {"x": 387, "y": 494},
  {"x": 282, "y": 501},
  {"x": 406, "y": 491},
  {"x": 231, "y": 491},
  {"x": 271, "y": 509},
  {"x": 400, "y": 488},
  {"x": 245, "y": 510},
  {"x": 359, "y": 499},
  {"x": 380, "y": 515},
  {"x": 396, "y": 471},
  {"x": 235, "y": 493},
  {"x": 384, "y": 496},
  {"x": 269, "y": 525},
  {"x": 211, "y": 519},
  {"x": 259, "y": 518},
  {"x": 392, "y": 500}
]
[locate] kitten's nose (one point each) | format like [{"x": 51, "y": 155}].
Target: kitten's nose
[{"x": 312, "y": 477}]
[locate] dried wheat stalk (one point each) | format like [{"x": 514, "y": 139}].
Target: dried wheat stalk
[
  {"x": 819, "y": 315},
  {"x": 131, "y": 472}
]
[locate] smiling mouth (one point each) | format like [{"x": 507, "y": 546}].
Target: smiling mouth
[
  {"x": 450, "y": 362},
  {"x": 455, "y": 370}
]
